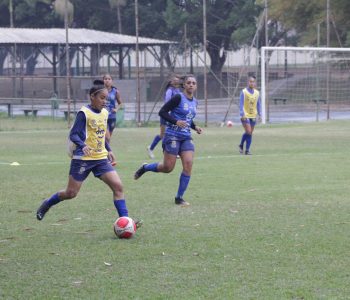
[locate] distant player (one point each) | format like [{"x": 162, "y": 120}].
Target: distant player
[
  {"x": 114, "y": 103},
  {"x": 90, "y": 152},
  {"x": 179, "y": 113},
  {"x": 171, "y": 89},
  {"x": 249, "y": 110}
]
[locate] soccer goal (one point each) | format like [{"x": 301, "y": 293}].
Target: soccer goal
[{"x": 305, "y": 83}]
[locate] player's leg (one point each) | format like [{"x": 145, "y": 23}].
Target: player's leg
[
  {"x": 170, "y": 150},
  {"x": 72, "y": 189},
  {"x": 156, "y": 139},
  {"x": 112, "y": 179},
  {"x": 186, "y": 154},
  {"x": 246, "y": 127},
  {"x": 250, "y": 129},
  {"x": 110, "y": 128}
]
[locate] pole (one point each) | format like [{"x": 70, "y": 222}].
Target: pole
[
  {"x": 267, "y": 116},
  {"x": 205, "y": 62},
  {"x": 328, "y": 67},
  {"x": 67, "y": 59},
  {"x": 138, "y": 99}
]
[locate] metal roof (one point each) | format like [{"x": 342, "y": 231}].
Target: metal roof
[{"x": 77, "y": 36}]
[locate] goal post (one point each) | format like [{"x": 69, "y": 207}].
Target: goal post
[{"x": 304, "y": 80}]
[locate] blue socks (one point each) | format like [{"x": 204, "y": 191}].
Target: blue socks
[
  {"x": 120, "y": 205},
  {"x": 151, "y": 167},
  {"x": 244, "y": 137},
  {"x": 53, "y": 200},
  {"x": 249, "y": 141},
  {"x": 156, "y": 140},
  {"x": 184, "y": 180}
]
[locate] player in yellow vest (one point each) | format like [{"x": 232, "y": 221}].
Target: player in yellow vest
[
  {"x": 249, "y": 110},
  {"x": 90, "y": 152}
]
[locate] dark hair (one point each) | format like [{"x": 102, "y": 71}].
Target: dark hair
[
  {"x": 252, "y": 76},
  {"x": 97, "y": 87},
  {"x": 168, "y": 85},
  {"x": 187, "y": 76},
  {"x": 107, "y": 74}
]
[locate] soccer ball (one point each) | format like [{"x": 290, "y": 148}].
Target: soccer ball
[
  {"x": 124, "y": 227},
  {"x": 229, "y": 124}
]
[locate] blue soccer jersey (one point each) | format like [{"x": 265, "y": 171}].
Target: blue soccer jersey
[
  {"x": 112, "y": 102},
  {"x": 179, "y": 108}
]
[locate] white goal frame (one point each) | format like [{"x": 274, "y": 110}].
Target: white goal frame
[{"x": 263, "y": 68}]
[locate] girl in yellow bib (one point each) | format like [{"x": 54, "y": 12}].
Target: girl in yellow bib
[
  {"x": 90, "y": 152},
  {"x": 249, "y": 110}
]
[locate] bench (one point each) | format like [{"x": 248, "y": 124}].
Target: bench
[
  {"x": 320, "y": 100},
  {"x": 284, "y": 100},
  {"x": 72, "y": 112},
  {"x": 33, "y": 111}
]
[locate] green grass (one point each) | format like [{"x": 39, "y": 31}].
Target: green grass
[{"x": 274, "y": 225}]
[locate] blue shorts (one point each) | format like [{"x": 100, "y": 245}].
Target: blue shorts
[
  {"x": 175, "y": 145},
  {"x": 250, "y": 121},
  {"x": 80, "y": 169},
  {"x": 111, "y": 124}
]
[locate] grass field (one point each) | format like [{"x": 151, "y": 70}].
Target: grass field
[{"x": 274, "y": 225}]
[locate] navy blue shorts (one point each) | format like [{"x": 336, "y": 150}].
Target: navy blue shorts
[
  {"x": 175, "y": 145},
  {"x": 111, "y": 124},
  {"x": 80, "y": 169},
  {"x": 251, "y": 121}
]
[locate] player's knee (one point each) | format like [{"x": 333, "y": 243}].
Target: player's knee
[
  {"x": 71, "y": 193},
  {"x": 167, "y": 168}
]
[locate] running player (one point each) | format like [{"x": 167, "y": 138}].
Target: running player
[
  {"x": 249, "y": 109},
  {"x": 172, "y": 88},
  {"x": 90, "y": 152},
  {"x": 114, "y": 103},
  {"x": 179, "y": 113}
]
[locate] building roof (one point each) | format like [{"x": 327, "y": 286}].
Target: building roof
[{"x": 76, "y": 36}]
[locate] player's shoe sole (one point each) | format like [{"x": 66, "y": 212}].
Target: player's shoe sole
[
  {"x": 181, "y": 202},
  {"x": 140, "y": 172},
  {"x": 150, "y": 152},
  {"x": 247, "y": 153},
  {"x": 42, "y": 210}
]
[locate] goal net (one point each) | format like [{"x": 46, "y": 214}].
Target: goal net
[{"x": 305, "y": 83}]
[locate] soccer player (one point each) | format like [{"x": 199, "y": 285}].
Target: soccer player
[
  {"x": 113, "y": 99},
  {"x": 171, "y": 89},
  {"x": 249, "y": 109},
  {"x": 90, "y": 152},
  {"x": 179, "y": 113}
]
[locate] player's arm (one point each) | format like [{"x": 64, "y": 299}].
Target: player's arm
[
  {"x": 168, "y": 95},
  {"x": 258, "y": 106},
  {"x": 119, "y": 100},
  {"x": 169, "y": 106},
  {"x": 77, "y": 131},
  {"x": 196, "y": 128},
  {"x": 241, "y": 105}
]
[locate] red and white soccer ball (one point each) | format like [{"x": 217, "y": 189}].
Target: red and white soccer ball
[
  {"x": 124, "y": 228},
  {"x": 229, "y": 124}
]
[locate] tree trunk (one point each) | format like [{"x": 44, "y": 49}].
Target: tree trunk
[
  {"x": 217, "y": 60},
  {"x": 3, "y": 55}
]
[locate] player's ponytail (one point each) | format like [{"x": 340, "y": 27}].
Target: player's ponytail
[{"x": 97, "y": 87}]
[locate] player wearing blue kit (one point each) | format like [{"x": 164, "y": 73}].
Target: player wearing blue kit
[
  {"x": 249, "y": 110},
  {"x": 179, "y": 113},
  {"x": 114, "y": 103},
  {"x": 90, "y": 152},
  {"x": 172, "y": 89}
]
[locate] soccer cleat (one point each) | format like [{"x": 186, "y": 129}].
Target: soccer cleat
[
  {"x": 150, "y": 152},
  {"x": 240, "y": 149},
  {"x": 140, "y": 172},
  {"x": 247, "y": 152},
  {"x": 181, "y": 202},
  {"x": 42, "y": 210},
  {"x": 138, "y": 223}
]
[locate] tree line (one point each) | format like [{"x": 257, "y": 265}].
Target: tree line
[{"x": 231, "y": 24}]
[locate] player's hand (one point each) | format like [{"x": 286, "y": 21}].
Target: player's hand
[
  {"x": 198, "y": 129},
  {"x": 111, "y": 158},
  {"x": 182, "y": 124},
  {"x": 87, "y": 150}
]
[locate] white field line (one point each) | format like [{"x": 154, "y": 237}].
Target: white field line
[{"x": 208, "y": 157}]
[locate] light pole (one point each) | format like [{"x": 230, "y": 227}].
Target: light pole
[
  {"x": 205, "y": 61},
  {"x": 67, "y": 59},
  {"x": 138, "y": 100}
]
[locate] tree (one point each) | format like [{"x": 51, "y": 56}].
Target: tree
[{"x": 224, "y": 19}]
